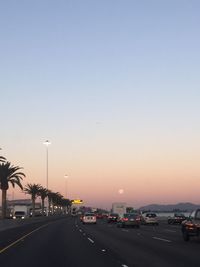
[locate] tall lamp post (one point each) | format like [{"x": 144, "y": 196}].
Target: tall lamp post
[{"x": 47, "y": 143}]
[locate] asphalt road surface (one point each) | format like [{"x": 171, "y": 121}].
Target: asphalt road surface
[{"x": 67, "y": 242}]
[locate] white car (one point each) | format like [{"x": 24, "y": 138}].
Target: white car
[
  {"x": 89, "y": 218},
  {"x": 150, "y": 218},
  {"x": 20, "y": 215}
]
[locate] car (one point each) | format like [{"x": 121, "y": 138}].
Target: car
[
  {"x": 178, "y": 218},
  {"x": 150, "y": 218},
  {"x": 20, "y": 215},
  {"x": 89, "y": 218},
  {"x": 112, "y": 218},
  {"x": 99, "y": 216},
  {"x": 129, "y": 219},
  {"x": 105, "y": 215},
  {"x": 191, "y": 226}
]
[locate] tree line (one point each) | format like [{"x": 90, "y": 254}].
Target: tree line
[{"x": 12, "y": 175}]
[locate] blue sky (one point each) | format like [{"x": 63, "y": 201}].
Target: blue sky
[{"x": 93, "y": 76}]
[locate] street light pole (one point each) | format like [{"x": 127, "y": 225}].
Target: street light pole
[{"x": 47, "y": 143}]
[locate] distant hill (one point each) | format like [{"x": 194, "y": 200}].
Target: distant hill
[{"x": 171, "y": 207}]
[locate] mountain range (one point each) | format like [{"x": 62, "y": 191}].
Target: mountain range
[{"x": 171, "y": 207}]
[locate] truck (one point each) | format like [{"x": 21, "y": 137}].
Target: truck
[
  {"x": 191, "y": 226},
  {"x": 119, "y": 208},
  {"x": 20, "y": 212}
]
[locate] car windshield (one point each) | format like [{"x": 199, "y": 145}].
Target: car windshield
[
  {"x": 151, "y": 215},
  {"x": 179, "y": 215},
  {"x": 128, "y": 215},
  {"x": 19, "y": 212},
  {"x": 114, "y": 215}
]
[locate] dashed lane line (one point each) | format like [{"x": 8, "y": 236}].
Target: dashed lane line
[
  {"x": 162, "y": 239},
  {"x": 103, "y": 250},
  {"x": 171, "y": 231},
  {"x": 92, "y": 241}
]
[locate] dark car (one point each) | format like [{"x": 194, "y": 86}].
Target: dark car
[
  {"x": 112, "y": 218},
  {"x": 129, "y": 219},
  {"x": 176, "y": 219},
  {"x": 191, "y": 226},
  {"x": 99, "y": 216}
]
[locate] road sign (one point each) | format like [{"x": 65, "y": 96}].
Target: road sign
[{"x": 77, "y": 201}]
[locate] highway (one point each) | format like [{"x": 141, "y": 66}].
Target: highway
[{"x": 67, "y": 242}]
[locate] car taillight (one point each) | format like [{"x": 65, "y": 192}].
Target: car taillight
[
  {"x": 137, "y": 219},
  {"x": 125, "y": 219}
]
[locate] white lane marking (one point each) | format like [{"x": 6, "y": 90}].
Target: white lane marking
[
  {"x": 92, "y": 241},
  {"x": 23, "y": 237},
  {"x": 124, "y": 230},
  {"x": 161, "y": 239},
  {"x": 80, "y": 230},
  {"x": 84, "y": 233},
  {"x": 103, "y": 250},
  {"x": 123, "y": 265},
  {"x": 171, "y": 231}
]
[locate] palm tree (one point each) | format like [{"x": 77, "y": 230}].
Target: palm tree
[
  {"x": 33, "y": 190},
  {"x": 2, "y": 159},
  {"x": 50, "y": 197},
  {"x": 43, "y": 193},
  {"x": 54, "y": 199},
  {"x": 9, "y": 174},
  {"x": 67, "y": 204},
  {"x": 57, "y": 201}
]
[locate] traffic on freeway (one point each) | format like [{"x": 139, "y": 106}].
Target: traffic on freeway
[{"x": 66, "y": 241}]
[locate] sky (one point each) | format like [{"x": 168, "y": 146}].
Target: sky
[{"x": 114, "y": 86}]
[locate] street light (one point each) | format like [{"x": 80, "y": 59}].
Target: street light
[{"x": 47, "y": 143}]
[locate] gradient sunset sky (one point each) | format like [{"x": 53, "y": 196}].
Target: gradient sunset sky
[{"x": 115, "y": 86}]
